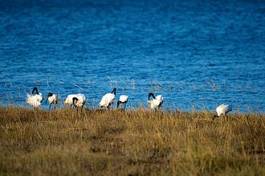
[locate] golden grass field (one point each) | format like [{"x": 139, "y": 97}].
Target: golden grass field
[{"x": 135, "y": 142}]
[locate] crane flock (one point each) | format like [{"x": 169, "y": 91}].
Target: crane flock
[{"x": 35, "y": 99}]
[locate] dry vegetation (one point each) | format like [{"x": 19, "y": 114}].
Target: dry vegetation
[{"x": 135, "y": 142}]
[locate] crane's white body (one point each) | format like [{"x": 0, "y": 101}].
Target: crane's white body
[
  {"x": 80, "y": 102},
  {"x": 223, "y": 109},
  {"x": 123, "y": 98},
  {"x": 107, "y": 100},
  {"x": 34, "y": 100},
  {"x": 156, "y": 102},
  {"x": 53, "y": 99}
]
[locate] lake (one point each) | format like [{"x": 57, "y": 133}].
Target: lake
[{"x": 197, "y": 54}]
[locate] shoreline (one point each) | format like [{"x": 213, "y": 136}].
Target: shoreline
[{"x": 142, "y": 109}]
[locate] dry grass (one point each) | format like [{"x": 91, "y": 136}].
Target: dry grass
[{"x": 136, "y": 142}]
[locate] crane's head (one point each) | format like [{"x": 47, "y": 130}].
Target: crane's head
[
  {"x": 35, "y": 91},
  {"x": 75, "y": 101},
  {"x": 151, "y": 95},
  {"x": 50, "y": 94}
]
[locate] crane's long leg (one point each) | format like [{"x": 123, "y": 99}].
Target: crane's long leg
[
  {"x": 108, "y": 107},
  {"x": 82, "y": 107}
]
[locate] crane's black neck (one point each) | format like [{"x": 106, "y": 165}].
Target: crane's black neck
[
  {"x": 114, "y": 91},
  {"x": 151, "y": 95},
  {"x": 35, "y": 91},
  {"x": 75, "y": 101}
]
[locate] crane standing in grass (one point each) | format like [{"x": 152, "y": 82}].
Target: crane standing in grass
[
  {"x": 108, "y": 99},
  {"x": 223, "y": 109},
  {"x": 155, "y": 102},
  {"x": 52, "y": 100},
  {"x": 122, "y": 101},
  {"x": 75, "y": 100},
  {"x": 35, "y": 98}
]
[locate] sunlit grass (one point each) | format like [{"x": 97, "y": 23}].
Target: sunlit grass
[{"x": 135, "y": 142}]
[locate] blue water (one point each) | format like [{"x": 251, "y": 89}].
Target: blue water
[{"x": 196, "y": 53}]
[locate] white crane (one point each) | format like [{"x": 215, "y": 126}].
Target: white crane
[
  {"x": 155, "y": 102},
  {"x": 223, "y": 109},
  {"x": 75, "y": 100},
  {"x": 122, "y": 101},
  {"x": 35, "y": 98},
  {"x": 108, "y": 99},
  {"x": 52, "y": 99}
]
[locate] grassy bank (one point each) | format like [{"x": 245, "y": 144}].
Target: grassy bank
[{"x": 138, "y": 142}]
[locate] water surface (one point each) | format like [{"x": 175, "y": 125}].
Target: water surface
[{"x": 196, "y": 53}]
